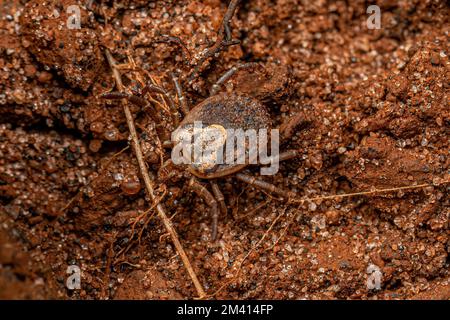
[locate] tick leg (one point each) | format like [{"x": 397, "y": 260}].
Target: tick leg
[
  {"x": 115, "y": 95},
  {"x": 227, "y": 75},
  {"x": 160, "y": 90},
  {"x": 223, "y": 38},
  {"x": 286, "y": 155},
  {"x": 268, "y": 186},
  {"x": 219, "y": 197},
  {"x": 265, "y": 186},
  {"x": 203, "y": 193},
  {"x": 181, "y": 98},
  {"x": 290, "y": 154}
]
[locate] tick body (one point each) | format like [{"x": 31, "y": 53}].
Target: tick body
[{"x": 226, "y": 113}]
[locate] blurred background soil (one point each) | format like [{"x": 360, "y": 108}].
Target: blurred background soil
[{"x": 366, "y": 108}]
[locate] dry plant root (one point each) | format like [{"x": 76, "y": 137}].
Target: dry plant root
[{"x": 148, "y": 183}]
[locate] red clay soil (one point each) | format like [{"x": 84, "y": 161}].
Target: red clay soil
[{"x": 365, "y": 108}]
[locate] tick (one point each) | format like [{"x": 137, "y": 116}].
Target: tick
[{"x": 222, "y": 112}]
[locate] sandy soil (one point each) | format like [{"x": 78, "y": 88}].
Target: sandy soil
[{"x": 365, "y": 109}]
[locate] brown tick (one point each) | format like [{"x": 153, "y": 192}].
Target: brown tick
[{"x": 243, "y": 109}]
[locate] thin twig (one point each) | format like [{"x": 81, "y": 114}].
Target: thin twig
[
  {"x": 302, "y": 200},
  {"x": 365, "y": 193},
  {"x": 148, "y": 182},
  {"x": 257, "y": 208},
  {"x": 252, "y": 249},
  {"x": 71, "y": 201},
  {"x": 109, "y": 254}
]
